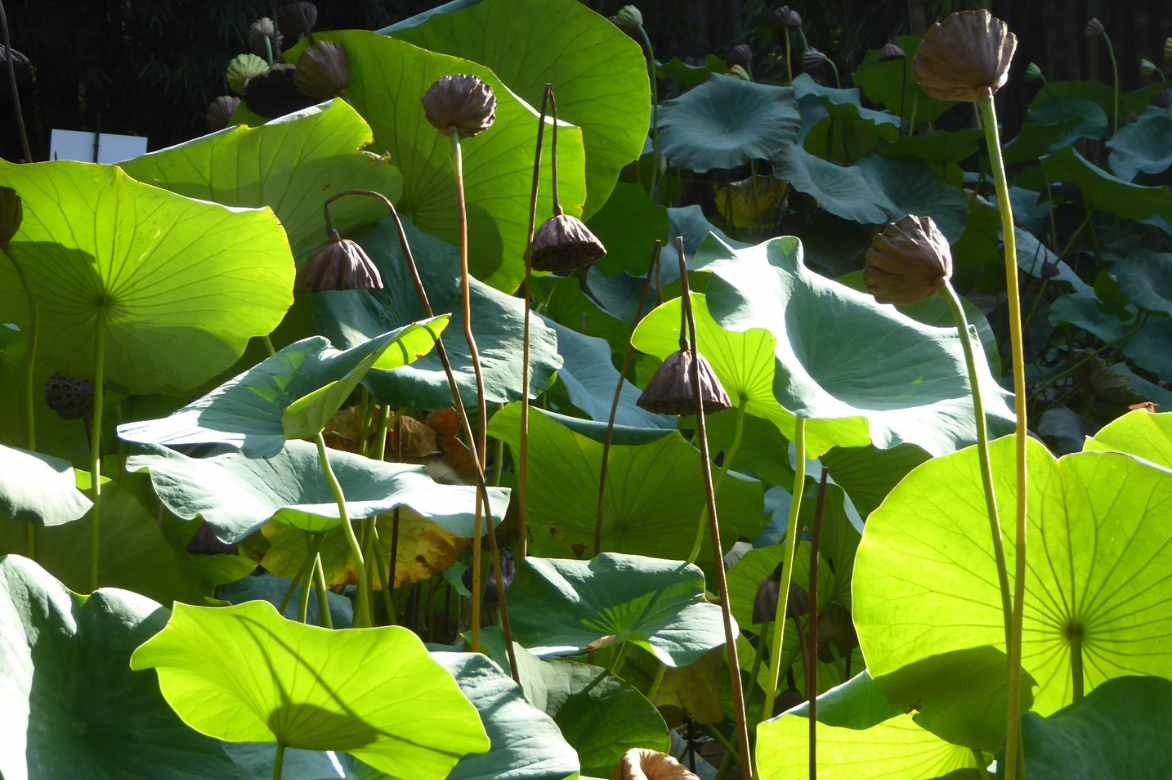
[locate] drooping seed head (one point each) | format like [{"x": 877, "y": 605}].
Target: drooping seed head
[
  {"x": 1094, "y": 28},
  {"x": 817, "y": 64},
  {"x": 273, "y": 93},
  {"x": 460, "y": 103},
  {"x": 261, "y": 30},
  {"x": 907, "y": 262},
  {"x": 741, "y": 54},
  {"x": 296, "y": 19},
  {"x": 564, "y": 244},
  {"x": 670, "y": 390},
  {"x": 629, "y": 19},
  {"x": 891, "y": 51},
  {"x": 785, "y": 18},
  {"x": 644, "y": 764},
  {"x": 11, "y": 214},
  {"x": 220, "y": 112},
  {"x": 323, "y": 70},
  {"x": 339, "y": 265},
  {"x": 965, "y": 57}
]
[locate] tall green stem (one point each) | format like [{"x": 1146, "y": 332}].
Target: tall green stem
[
  {"x": 362, "y": 609},
  {"x": 323, "y": 598},
  {"x": 789, "y": 67},
  {"x": 654, "y": 76},
  {"x": 992, "y": 137},
  {"x": 738, "y": 436},
  {"x": 279, "y": 762},
  {"x": 30, "y": 397},
  {"x": 1076, "y": 672},
  {"x": 1115, "y": 82},
  {"x": 966, "y": 343},
  {"x": 96, "y": 453},
  {"x": 787, "y": 572}
]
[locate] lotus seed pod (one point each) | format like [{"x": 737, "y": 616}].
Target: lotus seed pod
[
  {"x": 564, "y": 244},
  {"x": 220, "y": 112},
  {"x": 1163, "y": 99},
  {"x": 241, "y": 68},
  {"x": 11, "y": 214},
  {"x": 462, "y": 104},
  {"x": 907, "y": 262},
  {"x": 644, "y": 764},
  {"x": 629, "y": 19},
  {"x": 70, "y": 398},
  {"x": 817, "y": 64},
  {"x": 274, "y": 93},
  {"x": 670, "y": 390},
  {"x": 1034, "y": 73},
  {"x": 297, "y": 19},
  {"x": 741, "y": 55},
  {"x": 323, "y": 70},
  {"x": 205, "y": 542},
  {"x": 1148, "y": 69},
  {"x": 1094, "y": 29},
  {"x": 785, "y": 18},
  {"x": 891, "y": 51},
  {"x": 339, "y": 265},
  {"x": 262, "y": 30},
  {"x": 965, "y": 57}
]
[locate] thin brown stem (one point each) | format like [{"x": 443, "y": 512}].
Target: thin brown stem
[
  {"x": 553, "y": 152},
  {"x": 734, "y": 667},
  {"x": 812, "y": 660},
  {"x": 628, "y": 356},
  {"x": 28, "y": 154}
]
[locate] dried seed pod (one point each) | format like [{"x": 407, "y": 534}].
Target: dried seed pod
[
  {"x": 205, "y": 542},
  {"x": 644, "y": 764},
  {"x": 1094, "y": 28},
  {"x": 70, "y": 398},
  {"x": 11, "y": 214},
  {"x": 462, "y": 104},
  {"x": 891, "y": 51},
  {"x": 241, "y": 68},
  {"x": 264, "y": 29},
  {"x": 563, "y": 244},
  {"x": 765, "y": 602},
  {"x": 274, "y": 93},
  {"x": 1163, "y": 99},
  {"x": 965, "y": 57},
  {"x": 785, "y": 18},
  {"x": 741, "y": 54},
  {"x": 323, "y": 70},
  {"x": 907, "y": 262},
  {"x": 836, "y": 633},
  {"x": 339, "y": 265},
  {"x": 817, "y": 64},
  {"x": 670, "y": 390},
  {"x": 220, "y": 112},
  {"x": 296, "y": 19},
  {"x": 629, "y": 19}
]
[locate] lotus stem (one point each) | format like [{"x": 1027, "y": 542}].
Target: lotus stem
[
  {"x": 16, "y": 110},
  {"x": 654, "y": 76},
  {"x": 988, "y": 112},
  {"x": 730, "y": 636},
  {"x": 96, "y": 453},
  {"x": 362, "y": 608},
  {"x": 279, "y": 762},
  {"x": 903, "y": 96},
  {"x": 656, "y": 681},
  {"x": 323, "y": 599},
  {"x": 268, "y": 342},
  {"x": 789, "y": 67},
  {"x": 523, "y": 449},
  {"x": 628, "y": 356},
  {"x": 966, "y": 342},
  {"x": 729, "y": 455},
  {"x": 393, "y": 562},
  {"x": 1115, "y": 81},
  {"x": 30, "y": 398},
  {"x": 1076, "y": 670},
  {"x": 303, "y": 603},
  {"x": 812, "y": 661},
  {"x": 787, "y": 572}
]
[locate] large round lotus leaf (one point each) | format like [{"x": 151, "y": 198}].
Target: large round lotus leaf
[
  {"x": 875, "y": 190},
  {"x": 526, "y": 742},
  {"x": 844, "y": 104},
  {"x": 246, "y": 674},
  {"x": 841, "y": 356},
  {"x": 1139, "y": 433},
  {"x": 1143, "y": 146},
  {"x": 1053, "y": 122},
  {"x": 628, "y": 225},
  {"x": 388, "y": 79},
  {"x": 236, "y": 494},
  {"x": 892, "y": 83},
  {"x": 1144, "y": 342},
  {"x": 726, "y": 122},
  {"x": 1119, "y": 730},
  {"x": 562, "y": 606},
  {"x": 590, "y": 379},
  {"x": 939, "y": 146},
  {"x": 654, "y": 493},
  {"x": 266, "y": 587},
  {"x": 598, "y": 71},
  {"x": 1098, "y": 558},
  {"x": 1101, "y": 92},
  {"x": 39, "y": 489},
  {"x": 1104, "y": 192},
  {"x": 425, "y": 549},
  {"x": 134, "y": 554},
  {"x": 279, "y": 164},
  {"x": 149, "y": 268},
  {"x": 868, "y": 474},
  {"x": 69, "y": 699},
  {"x": 1145, "y": 278},
  {"x": 350, "y": 316},
  {"x": 290, "y": 395}
]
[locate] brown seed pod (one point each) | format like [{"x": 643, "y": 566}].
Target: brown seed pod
[
  {"x": 908, "y": 261},
  {"x": 296, "y": 19},
  {"x": 785, "y": 18},
  {"x": 765, "y": 601},
  {"x": 644, "y": 764},
  {"x": 741, "y": 55},
  {"x": 261, "y": 30},
  {"x": 670, "y": 390},
  {"x": 11, "y": 214},
  {"x": 1094, "y": 28},
  {"x": 965, "y": 57},
  {"x": 220, "y": 112},
  {"x": 71, "y": 399},
  {"x": 564, "y": 244},
  {"x": 891, "y": 51},
  {"x": 323, "y": 70},
  {"x": 273, "y": 93},
  {"x": 339, "y": 265},
  {"x": 817, "y": 64},
  {"x": 462, "y": 104}
]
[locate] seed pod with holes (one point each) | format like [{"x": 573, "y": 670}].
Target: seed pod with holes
[
  {"x": 965, "y": 57},
  {"x": 907, "y": 262},
  {"x": 70, "y": 398},
  {"x": 670, "y": 390},
  {"x": 462, "y": 103},
  {"x": 340, "y": 265}
]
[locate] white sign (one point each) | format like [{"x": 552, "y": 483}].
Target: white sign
[{"x": 110, "y": 147}]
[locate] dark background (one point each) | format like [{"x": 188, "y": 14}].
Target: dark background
[{"x": 150, "y": 67}]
